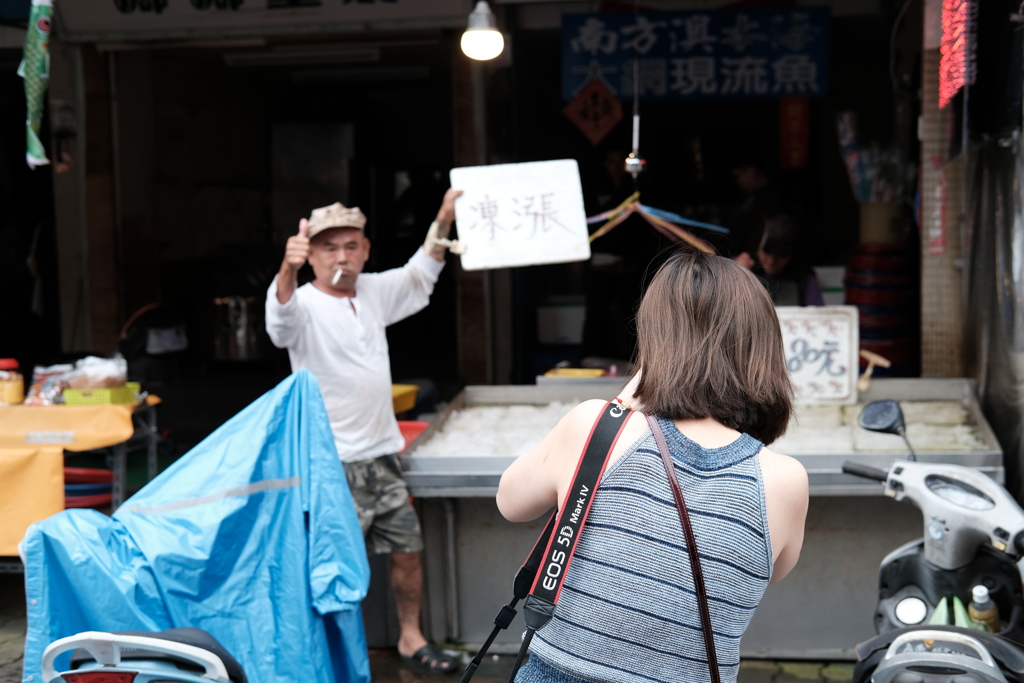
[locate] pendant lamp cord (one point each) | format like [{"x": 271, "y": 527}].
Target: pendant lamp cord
[{"x": 636, "y": 96}]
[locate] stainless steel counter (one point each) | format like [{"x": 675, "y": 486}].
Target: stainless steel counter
[
  {"x": 470, "y": 477},
  {"x": 821, "y": 611}
]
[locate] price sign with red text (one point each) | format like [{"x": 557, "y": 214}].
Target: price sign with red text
[{"x": 821, "y": 345}]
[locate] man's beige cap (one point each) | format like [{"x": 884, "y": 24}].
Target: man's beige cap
[{"x": 337, "y": 215}]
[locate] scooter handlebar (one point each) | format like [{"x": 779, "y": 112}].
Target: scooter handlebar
[{"x": 865, "y": 471}]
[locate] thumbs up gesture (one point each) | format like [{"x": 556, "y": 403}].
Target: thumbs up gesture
[{"x": 296, "y": 251}]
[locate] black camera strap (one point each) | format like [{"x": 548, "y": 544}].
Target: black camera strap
[{"x": 540, "y": 578}]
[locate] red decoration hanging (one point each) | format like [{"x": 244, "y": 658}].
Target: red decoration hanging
[
  {"x": 595, "y": 110},
  {"x": 794, "y": 132}
]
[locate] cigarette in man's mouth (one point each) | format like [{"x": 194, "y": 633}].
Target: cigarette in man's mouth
[{"x": 337, "y": 276}]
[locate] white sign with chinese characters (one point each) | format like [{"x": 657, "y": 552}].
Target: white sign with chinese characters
[
  {"x": 822, "y": 347},
  {"x": 521, "y": 214}
]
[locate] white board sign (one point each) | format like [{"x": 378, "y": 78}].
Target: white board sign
[
  {"x": 521, "y": 214},
  {"x": 822, "y": 347}
]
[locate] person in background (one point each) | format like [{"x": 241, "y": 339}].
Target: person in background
[
  {"x": 763, "y": 198},
  {"x": 712, "y": 371},
  {"x": 789, "y": 280},
  {"x": 334, "y": 326}
]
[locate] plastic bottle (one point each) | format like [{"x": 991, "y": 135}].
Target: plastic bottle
[
  {"x": 12, "y": 384},
  {"x": 983, "y": 611}
]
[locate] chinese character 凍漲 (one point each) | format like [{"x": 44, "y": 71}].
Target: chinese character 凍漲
[
  {"x": 690, "y": 74},
  {"x": 745, "y": 75},
  {"x": 488, "y": 210},
  {"x": 593, "y": 38},
  {"x": 543, "y": 214}
]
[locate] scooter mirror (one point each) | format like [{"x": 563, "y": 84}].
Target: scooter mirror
[{"x": 882, "y": 416}]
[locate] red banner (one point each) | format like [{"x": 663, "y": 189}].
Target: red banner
[
  {"x": 957, "y": 63},
  {"x": 794, "y": 132}
]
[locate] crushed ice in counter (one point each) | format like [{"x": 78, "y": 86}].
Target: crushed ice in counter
[{"x": 494, "y": 430}]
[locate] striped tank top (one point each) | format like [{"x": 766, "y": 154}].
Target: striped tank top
[{"x": 627, "y": 612}]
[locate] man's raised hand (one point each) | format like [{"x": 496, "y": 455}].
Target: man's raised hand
[
  {"x": 446, "y": 214},
  {"x": 296, "y": 251}
]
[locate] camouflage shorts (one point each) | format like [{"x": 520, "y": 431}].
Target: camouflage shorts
[{"x": 387, "y": 517}]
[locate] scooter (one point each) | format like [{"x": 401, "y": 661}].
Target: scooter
[
  {"x": 178, "y": 655},
  {"x": 973, "y": 535}
]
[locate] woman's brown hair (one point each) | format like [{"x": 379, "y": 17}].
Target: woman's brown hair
[{"x": 709, "y": 345}]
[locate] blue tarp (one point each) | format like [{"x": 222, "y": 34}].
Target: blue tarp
[{"x": 251, "y": 535}]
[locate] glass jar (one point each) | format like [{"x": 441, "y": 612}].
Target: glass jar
[{"x": 12, "y": 384}]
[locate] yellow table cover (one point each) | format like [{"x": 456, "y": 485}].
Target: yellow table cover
[
  {"x": 31, "y": 489},
  {"x": 32, "y": 444},
  {"x": 73, "y": 428}
]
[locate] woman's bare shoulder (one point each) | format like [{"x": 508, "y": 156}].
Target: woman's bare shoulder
[
  {"x": 786, "y": 462},
  {"x": 783, "y": 472},
  {"x": 786, "y": 497},
  {"x": 588, "y": 409},
  {"x": 576, "y": 424}
]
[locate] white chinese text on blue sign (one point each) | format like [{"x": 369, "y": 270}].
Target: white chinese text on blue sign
[{"x": 699, "y": 54}]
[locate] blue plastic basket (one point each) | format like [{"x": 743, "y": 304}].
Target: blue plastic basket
[{"x": 86, "y": 489}]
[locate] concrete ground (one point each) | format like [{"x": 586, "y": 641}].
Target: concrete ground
[
  {"x": 387, "y": 666},
  {"x": 12, "y": 627}
]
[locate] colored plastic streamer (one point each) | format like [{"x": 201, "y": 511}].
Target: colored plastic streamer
[
  {"x": 662, "y": 221},
  {"x": 676, "y": 218}
]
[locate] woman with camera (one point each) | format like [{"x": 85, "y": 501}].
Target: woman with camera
[{"x": 712, "y": 374}]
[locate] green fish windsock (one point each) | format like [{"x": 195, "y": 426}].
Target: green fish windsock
[{"x": 35, "y": 69}]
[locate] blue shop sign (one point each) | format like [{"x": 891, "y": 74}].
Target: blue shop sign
[{"x": 699, "y": 54}]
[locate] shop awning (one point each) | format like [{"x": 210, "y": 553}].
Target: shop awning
[{"x": 159, "y": 20}]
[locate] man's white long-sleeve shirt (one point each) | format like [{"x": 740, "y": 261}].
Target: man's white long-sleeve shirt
[{"x": 342, "y": 342}]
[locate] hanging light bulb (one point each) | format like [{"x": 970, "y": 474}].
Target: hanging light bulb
[{"x": 482, "y": 39}]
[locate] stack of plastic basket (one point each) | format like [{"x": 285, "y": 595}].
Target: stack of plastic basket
[
  {"x": 881, "y": 283},
  {"x": 87, "y": 488}
]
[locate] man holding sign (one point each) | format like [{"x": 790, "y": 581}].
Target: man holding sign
[{"x": 334, "y": 326}]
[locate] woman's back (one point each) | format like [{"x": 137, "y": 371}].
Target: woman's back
[
  {"x": 710, "y": 357},
  {"x": 628, "y": 609}
]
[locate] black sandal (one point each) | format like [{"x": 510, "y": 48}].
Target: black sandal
[{"x": 429, "y": 658}]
